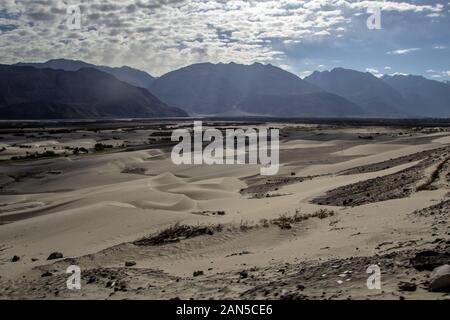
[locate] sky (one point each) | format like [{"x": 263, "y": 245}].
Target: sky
[{"x": 300, "y": 36}]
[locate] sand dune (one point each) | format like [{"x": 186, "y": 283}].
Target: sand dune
[{"x": 93, "y": 207}]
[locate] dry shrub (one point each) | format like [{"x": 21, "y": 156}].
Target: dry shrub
[{"x": 176, "y": 233}]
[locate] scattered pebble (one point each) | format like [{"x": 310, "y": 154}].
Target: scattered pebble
[
  {"x": 55, "y": 255},
  {"x": 407, "y": 286},
  {"x": 130, "y": 263},
  {"x": 198, "y": 273}
]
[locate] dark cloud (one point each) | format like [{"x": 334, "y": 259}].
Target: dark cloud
[{"x": 42, "y": 16}]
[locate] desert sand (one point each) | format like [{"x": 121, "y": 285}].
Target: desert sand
[{"x": 340, "y": 203}]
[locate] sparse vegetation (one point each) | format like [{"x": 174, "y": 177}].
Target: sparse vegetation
[
  {"x": 36, "y": 155},
  {"x": 434, "y": 175},
  {"x": 178, "y": 232},
  {"x": 101, "y": 147},
  {"x": 323, "y": 214},
  {"x": 286, "y": 221}
]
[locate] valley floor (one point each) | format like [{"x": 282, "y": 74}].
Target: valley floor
[{"x": 346, "y": 198}]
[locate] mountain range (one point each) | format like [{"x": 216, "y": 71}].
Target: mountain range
[
  {"x": 375, "y": 96},
  {"x": 209, "y": 89},
  {"x": 423, "y": 97},
  {"x": 76, "y": 89},
  {"x": 132, "y": 76},
  {"x": 31, "y": 93}
]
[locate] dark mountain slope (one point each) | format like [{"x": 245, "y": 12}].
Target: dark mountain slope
[
  {"x": 424, "y": 97},
  {"x": 225, "y": 88},
  {"x": 132, "y": 76},
  {"x": 364, "y": 89},
  {"x": 30, "y": 93}
]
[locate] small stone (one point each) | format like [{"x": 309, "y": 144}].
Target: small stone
[
  {"x": 55, "y": 255},
  {"x": 407, "y": 286},
  {"x": 15, "y": 259},
  {"x": 440, "y": 279},
  {"x": 46, "y": 274},
  {"x": 130, "y": 263},
  {"x": 198, "y": 273},
  {"x": 92, "y": 279},
  {"x": 243, "y": 274}
]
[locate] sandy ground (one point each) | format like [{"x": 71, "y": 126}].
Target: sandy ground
[{"x": 93, "y": 207}]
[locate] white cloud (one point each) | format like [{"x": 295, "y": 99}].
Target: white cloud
[
  {"x": 375, "y": 72},
  {"x": 306, "y": 73},
  {"x": 439, "y": 47},
  {"x": 387, "y": 68},
  {"x": 438, "y": 74},
  {"x": 159, "y": 36},
  {"x": 385, "y": 5},
  {"x": 399, "y": 74},
  {"x": 403, "y": 51}
]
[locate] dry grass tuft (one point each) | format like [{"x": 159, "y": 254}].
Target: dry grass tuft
[{"x": 178, "y": 232}]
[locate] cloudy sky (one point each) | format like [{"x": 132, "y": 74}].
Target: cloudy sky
[{"x": 300, "y": 36}]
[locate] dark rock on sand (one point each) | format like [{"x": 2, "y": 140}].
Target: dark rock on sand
[
  {"x": 429, "y": 260},
  {"x": 92, "y": 279},
  {"x": 407, "y": 286},
  {"x": 198, "y": 273},
  {"x": 130, "y": 263},
  {"x": 55, "y": 255},
  {"x": 440, "y": 279},
  {"x": 15, "y": 259},
  {"x": 243, "y": 274}
]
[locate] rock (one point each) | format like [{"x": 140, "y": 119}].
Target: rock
[
  {"x": 198, "y": 273},
  {"x": 55, "y": 255},
  {"x": 407, "y": 286},
  {"x": 92, "y": 279},
  {"x": 293, "y": 296},
  {"x": 15, "y": 259},
  {"x": 429, "y": 260},
  {"x": 243, "y": 274},
  {"x": 440, "y": 279},
  {"x": 130, "y": 263},
  {"x": 46, "y": 274}
]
